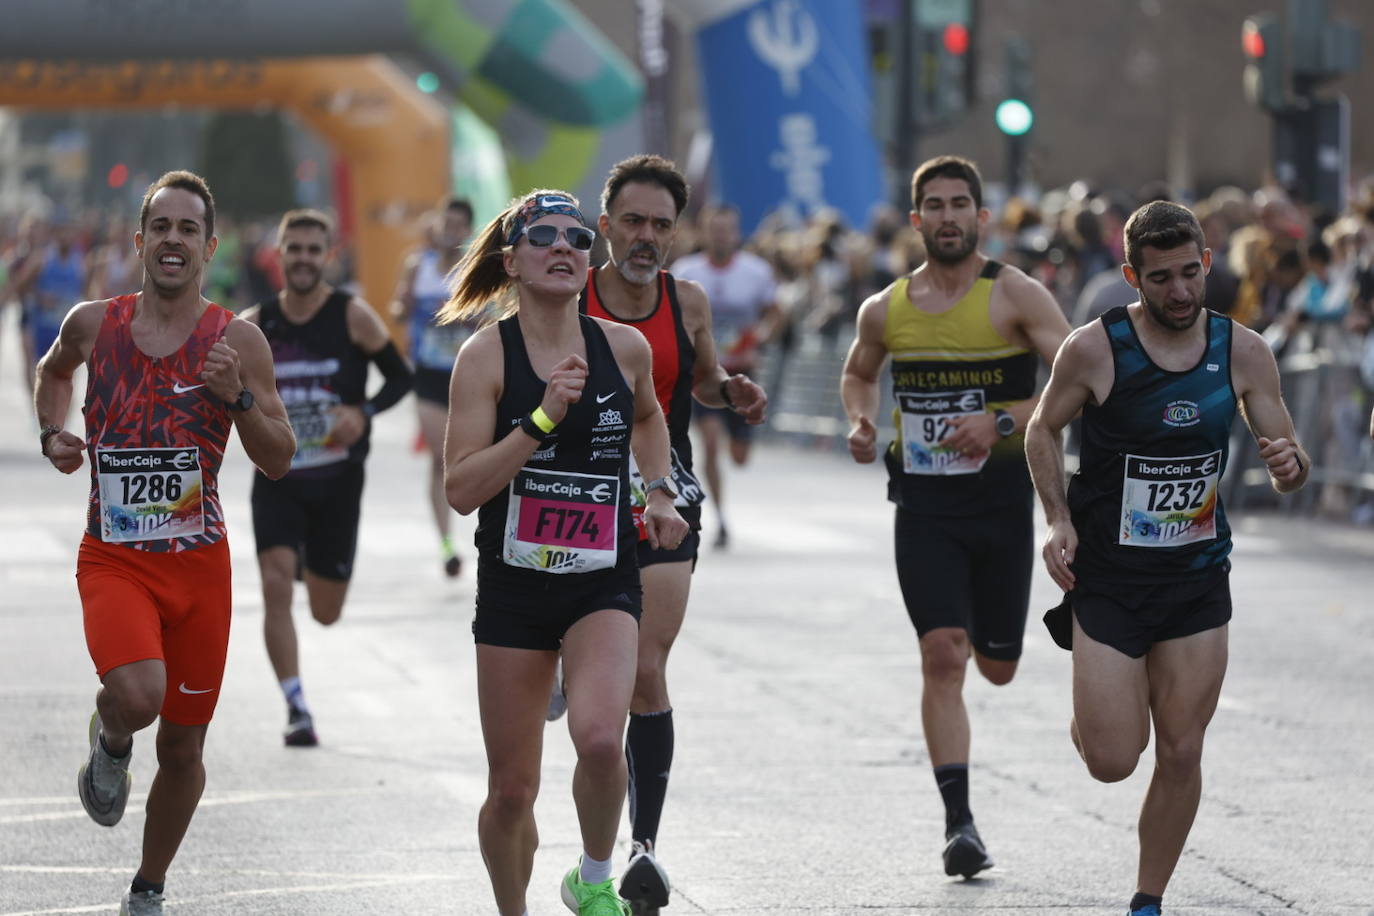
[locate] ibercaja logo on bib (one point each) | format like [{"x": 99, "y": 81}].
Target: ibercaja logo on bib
[{"x": 1182, "y": 413}]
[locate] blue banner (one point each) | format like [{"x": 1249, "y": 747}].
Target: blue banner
[{"x": 789, "y": 101}]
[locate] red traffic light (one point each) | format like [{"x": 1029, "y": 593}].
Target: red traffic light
[
  {"x": 956, "y": 38},
  {"x": 1251, "y": 41}
]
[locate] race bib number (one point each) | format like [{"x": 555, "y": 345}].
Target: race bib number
[
  {"x": 313, "y": 423},
  {"x": 438, "y": 345},
  {"x": 562, "y": 522},
  {"x": 925, "y": 420},
  {"x": 1169, "y": 502},
  {"x": 689, "y": 491},
  {"x": 148, "y": 494}
]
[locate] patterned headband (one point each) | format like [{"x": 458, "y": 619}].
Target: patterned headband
[{"x": 542, "y": 205}]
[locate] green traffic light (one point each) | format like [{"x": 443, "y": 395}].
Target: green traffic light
[
  {"x": 1014, "y": 117},
  {"x": 427, "y": 82}
]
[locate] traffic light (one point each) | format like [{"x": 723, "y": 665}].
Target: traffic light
[
  {"x": 1261, "y": 39},
  {"x": 1322, "y": 49},
  {"x": 943, "y": 45},
  {"x": 1015, "y": 114},
  {"x": 1014, "y": 117}
]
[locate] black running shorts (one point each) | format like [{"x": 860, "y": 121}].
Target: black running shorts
[
  {"x": 315, "y": 516},
  {"x": 687, "y": 550},
  {"x": 1131, "y": 618},
  {"x": 431, "y": 385},
  {"x": 970, "y": 572},
  {"x": 738, "y": 428},
  {"x": 519, "y": 609}
]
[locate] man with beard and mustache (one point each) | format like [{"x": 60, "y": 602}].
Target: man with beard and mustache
[
  {"x": 1140, "y": 544},
  {"x": 169, "y": 374},
  {"x": 306, "y": 523},
  {"x": 963, "y": 332},
  {"x": 742, "y": 291},
  {"x": 640, "y": 205}
]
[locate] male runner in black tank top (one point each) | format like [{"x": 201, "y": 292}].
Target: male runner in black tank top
[
  {"x": 963, "y": 333},
  {"x": 1140, "y": 544},
  {"x": 322, "y": 340},
  {"x": 641, "y": 201}
]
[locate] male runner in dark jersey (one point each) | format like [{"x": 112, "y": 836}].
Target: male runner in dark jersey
[
  {"x": 640, "y": 204},
  {"x": 1141, "y": 545},
  {"x": 322, "y": 339},
  {"x": 169, "y": 373},
  {"x": 963, "y": 332}
]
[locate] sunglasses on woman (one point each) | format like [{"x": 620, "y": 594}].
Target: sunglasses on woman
[{"x": 545, "y": 234}]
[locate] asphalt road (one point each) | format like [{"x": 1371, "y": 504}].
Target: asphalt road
[{"x": 801, "y": 783}]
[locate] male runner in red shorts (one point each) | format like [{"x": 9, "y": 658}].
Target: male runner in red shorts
[{"x": 169, "y": 373}]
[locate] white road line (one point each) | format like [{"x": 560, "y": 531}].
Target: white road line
[
  {"x": 234, "y": 798},
  {"x": 258, "y": 892}
]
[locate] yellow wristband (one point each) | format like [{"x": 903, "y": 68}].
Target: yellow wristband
[{"x": 542, "y": 420}]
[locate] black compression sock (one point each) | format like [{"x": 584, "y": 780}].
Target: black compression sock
[
  {"x": 139, "y": 886},
  {"x": 1140, "y": 900},
  {"x": 952, "y": 779},
  {"x": 649, "y": 753}
]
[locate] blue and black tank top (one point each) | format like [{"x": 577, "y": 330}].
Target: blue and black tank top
[{"x": 1145, "y": 499}]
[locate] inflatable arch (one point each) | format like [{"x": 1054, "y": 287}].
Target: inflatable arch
[{"x": 564, "y": 101}]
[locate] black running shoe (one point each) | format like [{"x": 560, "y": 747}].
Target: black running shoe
[
  {"x": 645, "y": 883},
  {"x": 453, "y": 565},
  {"x": 964, "y": 852},
  {"x": 300, "y": 729}
]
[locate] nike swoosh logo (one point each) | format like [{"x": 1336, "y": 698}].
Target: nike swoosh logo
[
  {"x": 179, "y": 388},
  {"x": 1001, "y": 645},
  {"x": 603, "y": 398},
  {"x": 184, "y": 689}
]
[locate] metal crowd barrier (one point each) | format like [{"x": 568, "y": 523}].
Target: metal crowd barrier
[{"x": 1321, "y": 387}]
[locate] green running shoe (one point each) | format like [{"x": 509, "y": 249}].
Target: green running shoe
[{"x": 592, "y": 899}]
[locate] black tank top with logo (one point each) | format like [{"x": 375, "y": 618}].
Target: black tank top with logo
[
  {"x": 568, "y": 509},
  {"x": 318, "y": 367},
  {"x": 1145, "y": 499}
]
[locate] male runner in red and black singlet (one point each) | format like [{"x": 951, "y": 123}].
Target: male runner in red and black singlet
[
  {"x": 169, "y": 373},
  {"x": 640, "y": 204},
  {"x": 322, "y": 340}
]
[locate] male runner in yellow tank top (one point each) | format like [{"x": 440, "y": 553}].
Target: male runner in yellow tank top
[{"x": 963, "y": 332}]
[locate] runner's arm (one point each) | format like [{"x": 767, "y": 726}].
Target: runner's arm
[
  {"x": 649, "y": 435},
  {"x": 476, "y": 468},
  {"x": 403, "y": 300},
  {"x": 243, "y": 359},
  {"x": 859, "y": 378},
  {"x": 1041, "y": 320},
  {"x": 1069, "y": 388},
  {"x": 52, "y": 389},
  {"x": 1256, "y": 375},
  {"x": 370, "y": 334}
]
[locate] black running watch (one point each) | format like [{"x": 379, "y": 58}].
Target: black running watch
[
  {"x": 241, "y": 403},
  {"x": 1006, "y": 423}
]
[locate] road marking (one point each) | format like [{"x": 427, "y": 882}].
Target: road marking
[
  {"x": 355, "y": 883},
  {"x": 76, "y": 812}
]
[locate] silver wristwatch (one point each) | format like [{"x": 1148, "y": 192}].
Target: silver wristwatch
[{"x": 663, "y": 483}]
